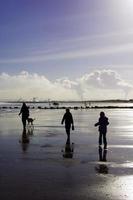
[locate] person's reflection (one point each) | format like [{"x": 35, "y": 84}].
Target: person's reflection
[
  {"x": 24, "y": 141},
  {"x": 102, "y": 154},
  {"x": 69, "y": 149},
  {"x": 102, "y": 168}
]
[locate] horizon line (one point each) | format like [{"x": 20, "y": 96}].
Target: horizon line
[{"x": 67, "y": 101}]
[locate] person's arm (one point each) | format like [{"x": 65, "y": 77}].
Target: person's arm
[
  {"x": 97, "y": 124},
  {"x": 63, "y": 119},
  {"x": 72, "y": 122},
  {"x": 28, "y": 112},
  {"x": 20, "y": 112}
]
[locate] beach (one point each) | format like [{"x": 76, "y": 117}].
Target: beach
[{"x": 37, "y": 170}]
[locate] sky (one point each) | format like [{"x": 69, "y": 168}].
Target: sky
[{"x": 66, "y": 49}]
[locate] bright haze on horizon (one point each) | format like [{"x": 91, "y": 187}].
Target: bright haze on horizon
[{"x": 66, "y": 50}]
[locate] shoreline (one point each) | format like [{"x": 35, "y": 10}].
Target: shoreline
[{"x": 71, "y": 107}]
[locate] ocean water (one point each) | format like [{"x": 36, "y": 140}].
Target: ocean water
[{"x": 9, "y": 106}]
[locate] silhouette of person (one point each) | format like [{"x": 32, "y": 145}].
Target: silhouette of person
[
  {"x": 102, "y": 123},
  {"x": 68, "y": 122},
  {"x": 24, "y": 111}
]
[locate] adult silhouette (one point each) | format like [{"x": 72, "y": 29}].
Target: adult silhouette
[
  {"x": 102, "y": 123},
  {"x": 68, "y": 119},
  {"x": 24, "y": 111}
]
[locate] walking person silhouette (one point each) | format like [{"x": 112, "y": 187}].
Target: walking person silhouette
[
  {"x": 24, "y": 111},
  {"x": 102, "y": 123},
  {"x": 68, "y": 118}
]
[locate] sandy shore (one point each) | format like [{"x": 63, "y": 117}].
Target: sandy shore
[{"x": 37, "y": 170}]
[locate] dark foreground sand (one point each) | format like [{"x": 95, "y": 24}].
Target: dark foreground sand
[{"x": 38, "y": 170}]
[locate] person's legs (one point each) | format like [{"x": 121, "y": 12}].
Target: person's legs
[
  {"x": 100, "y": 138},
  {"x": 67, "y": 127},
  {"x": 24, "y": 122},
  {"x": 68, "y": 133},
  {"x": 104, "y": 140},
  {"x": 100, "y": 153}
]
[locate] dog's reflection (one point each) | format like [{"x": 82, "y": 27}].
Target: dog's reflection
[
  {"x": 30, "y": 129},
  {"x": 69, "y": 149}
]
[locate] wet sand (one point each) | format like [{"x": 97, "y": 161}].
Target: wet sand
[{"x": 37, "y": 170}]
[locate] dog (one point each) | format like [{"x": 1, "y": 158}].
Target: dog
[{"x": 30, "y": 121}]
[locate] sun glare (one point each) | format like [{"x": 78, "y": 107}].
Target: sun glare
[
  {"x": 125, "y": 183},
  {"x": 124, "y": 6},
  {"x": 121, "y": 12}
]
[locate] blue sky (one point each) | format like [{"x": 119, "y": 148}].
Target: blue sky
[{"x": 67, "y": 38}]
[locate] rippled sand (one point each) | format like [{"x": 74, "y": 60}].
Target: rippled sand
[{"x": 38, "y": 170}]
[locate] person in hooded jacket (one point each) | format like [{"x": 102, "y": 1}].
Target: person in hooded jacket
[{"x": 102, "y": 123}]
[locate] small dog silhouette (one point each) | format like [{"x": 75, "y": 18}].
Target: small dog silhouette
[{"x": 30, "y": 121}]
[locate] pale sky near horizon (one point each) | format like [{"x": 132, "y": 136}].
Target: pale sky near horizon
[{"x": 66, "y": 49}]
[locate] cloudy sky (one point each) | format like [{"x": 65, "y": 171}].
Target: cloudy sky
[{"x": 66, "y": 49}]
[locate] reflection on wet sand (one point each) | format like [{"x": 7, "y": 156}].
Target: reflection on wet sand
[
  {"x": 69, "y": 149},
  {"x": 102, "y": 154},
  {"x": 25, "y": 137},
  {"x": 25, "y": 140},
  {"x": 26, "y": 167},
  {"x": 30, "y": 130},
  {"x": 102, "y": 168}
]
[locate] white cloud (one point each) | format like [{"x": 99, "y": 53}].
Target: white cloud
[
  {"x": 66, "y": 83},
  {"x": 104, "y": 79},
  {"x": 107, "y": 81},
  {"x": 27, "y": 86},
  {"x": 100, "y": 84}
]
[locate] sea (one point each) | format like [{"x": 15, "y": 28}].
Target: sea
[{"x": 13, "y": 106}]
